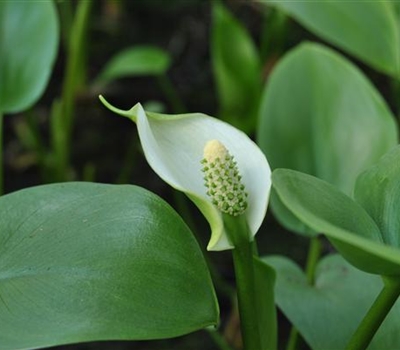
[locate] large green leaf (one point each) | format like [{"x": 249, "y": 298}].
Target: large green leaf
[
  {"x": 326, "y": 209},
  {"x": 28, "y": 46},
  {"x": 82, "y": 261},
  {"x": 237, "y": 69},
  {"x": 136, "y": 61},
  {"x": 378, "y": 191},
  {"x": 321, "y": 116},
  {"x": 368, "y": 30},
  {"x": 328, "y": 312}
]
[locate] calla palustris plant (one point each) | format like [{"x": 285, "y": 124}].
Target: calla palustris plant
[{"x": 175, "y": 147}]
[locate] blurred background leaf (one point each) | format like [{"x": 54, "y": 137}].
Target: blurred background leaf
[
  {"x": 369, "y": 32},
  {"x": 136, "y": 61},
  {"x": 236, "y": 68},
  {"x": 28, "y": 46}
]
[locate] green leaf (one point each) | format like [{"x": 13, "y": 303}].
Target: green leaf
[
  {"x": 378, "y": 191},
  {"x": 264, "y": 277},
  {"x": 237, "y": 69},
  {"x": 321, "y": 116},
  {"x": 28, "y": 47},
  {"x": 136, "y": 61},
  {"x": 83, "y": 261},
  {"x": 327, "y": 313},
  {"x": 353, "y": 27},
  {"x": 325, "y": 209},
  {"x": 286, "y": 217}
]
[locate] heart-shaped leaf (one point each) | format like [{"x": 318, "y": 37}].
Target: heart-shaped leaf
[
  {"x": 321, "y": 116},
  {"x": 352, "y": 27},
  {"x": 349, "y": 227},
  {"x": 28, "y": 46},
  {"x": 237, "y": 69},
  {"x": 82, "y": 261},
  {"x": 327, "y": 313},
  {"x": 136, "y": 61}
]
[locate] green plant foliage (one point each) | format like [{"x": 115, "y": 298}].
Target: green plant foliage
[
  {"x": 82, "y": 261},
  {"x": 370, "y": 32},
  {"x": 321, "y": 116},
  {"x": 378, "y": 191},
  {"x": 349, "y": 227},
  {"x": 237, "y": 69},
  {"x": 327, "y": 313},
  {"x": 265, "y": 277},
  {"x": 136, "y": 61},
  {"x": 28, "y": 47}
]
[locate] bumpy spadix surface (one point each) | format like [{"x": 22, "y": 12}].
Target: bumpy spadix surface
[
  {"x": 223, "y": 180},
  {"x": 173, "y": 146}
]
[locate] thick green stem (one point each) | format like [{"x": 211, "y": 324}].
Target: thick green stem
[
  {"x": 73, "y": 77},
  {"x": 238, "y": 232},
  {"x": 375, "y": 315},
  {"x": 314, "y": 253},
  {"x": 293, "y": 339},
  {"x": 1, "y": 155},
  {"x": 66, "y": 18}
]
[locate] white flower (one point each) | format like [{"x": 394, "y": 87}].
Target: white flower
[{"x": 174, "y": 146}]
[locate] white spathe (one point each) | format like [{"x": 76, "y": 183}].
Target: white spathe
[{"x": 173, "y": 146}]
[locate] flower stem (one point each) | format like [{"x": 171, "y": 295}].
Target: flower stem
[
  {"x": 314, "y": 253},
  {"x": 74, "y": 76},
  {"x": 293, "y": 339},
  {"x": 376, "y": 314},
  {"x": 238, "y": 232}
]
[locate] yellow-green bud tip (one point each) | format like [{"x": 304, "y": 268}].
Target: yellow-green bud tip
[
  {"x": 222, "y": 179},
  {"x": 214, "y": 149}
]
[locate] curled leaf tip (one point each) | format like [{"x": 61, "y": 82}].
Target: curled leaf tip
[{"x": 131, "y": 114}]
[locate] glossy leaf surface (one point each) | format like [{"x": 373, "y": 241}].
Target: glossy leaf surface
[
  {"x": 370, "y": 31},
  {"x": 82, "y": 261},
  {"x": 326, "y": 209},
  {"x": 321, "y": 116},
  {"x": 28, "y": 46},
  {"x": 237, "y": 69},
  {"x": 327, "y": 313}
]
